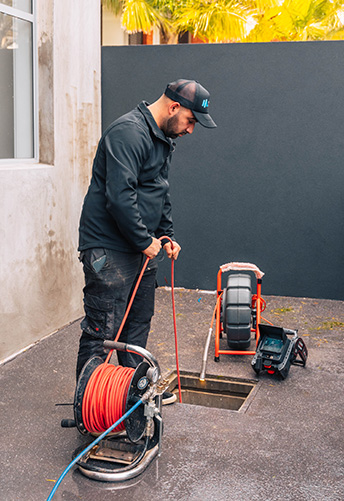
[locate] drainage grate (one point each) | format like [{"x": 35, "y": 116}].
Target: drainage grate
[{"x": 215, "y": 391}]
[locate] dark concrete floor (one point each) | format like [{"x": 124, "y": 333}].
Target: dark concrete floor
[{"x": 286, "y": 444}]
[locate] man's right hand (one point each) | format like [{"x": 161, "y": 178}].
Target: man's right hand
[{"x": 154, "y": 248}]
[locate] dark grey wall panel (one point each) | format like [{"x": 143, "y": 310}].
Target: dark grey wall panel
[{"x": 266, "y": 186}]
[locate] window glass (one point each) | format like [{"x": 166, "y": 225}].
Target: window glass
[
  {"x": 25, "y": 5},
  {"x": 16, "y": 88}
]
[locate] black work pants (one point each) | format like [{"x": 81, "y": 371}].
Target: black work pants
[{"x": 110, "y": 277}]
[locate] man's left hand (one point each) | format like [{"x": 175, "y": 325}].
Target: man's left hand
[{"x": 172, "y": 253}]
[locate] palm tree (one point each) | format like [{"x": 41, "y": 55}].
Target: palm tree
[
  {"x": 219, "y": 21},
  {"x": 299, "y": 20},
  {"x": 140, "y": 15},
  {"x": 234, "y": 20}
]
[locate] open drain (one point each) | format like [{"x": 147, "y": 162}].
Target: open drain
[{"x": 215, "y": 391}]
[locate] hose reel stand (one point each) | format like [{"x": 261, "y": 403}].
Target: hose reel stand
[{"x": 122, "y": 456}]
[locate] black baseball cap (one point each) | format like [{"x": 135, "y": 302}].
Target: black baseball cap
[{"x": 191, "y": 95}]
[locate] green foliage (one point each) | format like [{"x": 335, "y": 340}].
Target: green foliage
[
  {"x": 235, "y": 20},
  {"x": 114, "y": 5},
  {"x": 330, "y": 325},
  {"x": 299, "y": 20},
  {"x": 141, "y": 15},
  {"x": 223, "y": 20},
  {"x": 278, "y": 311}
]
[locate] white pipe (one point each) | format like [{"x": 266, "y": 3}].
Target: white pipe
[{"x": 205, "y": 355}]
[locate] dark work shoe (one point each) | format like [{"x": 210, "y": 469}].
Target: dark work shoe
[{"x": 168, "y": 398}]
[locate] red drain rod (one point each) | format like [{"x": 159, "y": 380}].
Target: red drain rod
[{"x": 173, "y": 312}]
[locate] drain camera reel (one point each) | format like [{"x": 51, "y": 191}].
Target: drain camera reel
[{"x": 238, "y": 314}]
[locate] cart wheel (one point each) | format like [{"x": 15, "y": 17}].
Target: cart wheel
[
  {"x": 217, "y": 359},
  {"x": 236, "y": 311}
]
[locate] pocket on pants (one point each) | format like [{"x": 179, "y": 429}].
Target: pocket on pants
[
  {"x": 99, "y": 317},
  {"x": 99, "y": 263},
  {"x": 94, "y": 259}
]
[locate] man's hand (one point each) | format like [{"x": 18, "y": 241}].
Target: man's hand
[
  {"x": 172, "y": 253},
  {"x": 154, "y": 248}
]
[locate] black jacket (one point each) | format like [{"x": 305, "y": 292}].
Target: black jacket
[{"x": 128, "y": 199}]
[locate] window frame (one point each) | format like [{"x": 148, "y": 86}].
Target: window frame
[{"x": 31, "y": 18}]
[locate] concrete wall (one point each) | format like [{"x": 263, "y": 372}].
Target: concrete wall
[{"x": 41, "y": 277}]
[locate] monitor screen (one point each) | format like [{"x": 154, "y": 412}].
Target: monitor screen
[{"x": 272, "y": 344}]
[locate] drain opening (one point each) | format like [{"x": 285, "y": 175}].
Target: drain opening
[{"x": 215, "y": 391}]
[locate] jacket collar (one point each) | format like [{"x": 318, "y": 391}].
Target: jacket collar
[{"x": 143, "y": 107}]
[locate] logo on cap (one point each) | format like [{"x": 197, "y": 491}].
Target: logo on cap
[{"x": 205, "y": 103}]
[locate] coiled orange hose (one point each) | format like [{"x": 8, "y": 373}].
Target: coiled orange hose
[{"x": 105, "y": 397}]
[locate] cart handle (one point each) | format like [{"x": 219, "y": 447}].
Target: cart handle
[{"x": 242, "y": 266}]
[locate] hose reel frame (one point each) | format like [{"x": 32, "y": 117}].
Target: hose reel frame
[{"x": 144, "y": 447}]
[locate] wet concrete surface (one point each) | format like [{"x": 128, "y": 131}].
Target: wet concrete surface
[{"x": 285, "y": 444}]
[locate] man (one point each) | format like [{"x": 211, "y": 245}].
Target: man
[{"x": 126, "y": 209}]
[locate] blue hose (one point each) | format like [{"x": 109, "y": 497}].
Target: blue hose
[{"x": 89, "y": 447}]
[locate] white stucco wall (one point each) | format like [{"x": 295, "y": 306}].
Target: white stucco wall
[
  {"x": 41, "y": 277},
  {"x": 112, "y": 32}
]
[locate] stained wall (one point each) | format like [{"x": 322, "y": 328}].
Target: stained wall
[{"x": 41, "y": 277}]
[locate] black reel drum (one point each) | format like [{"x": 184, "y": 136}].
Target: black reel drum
[
  {"x": 136, "y": 422},
  {"x": 236, "y": 311}
]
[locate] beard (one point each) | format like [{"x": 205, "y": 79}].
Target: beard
[{"x": 171, "y": 128}]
